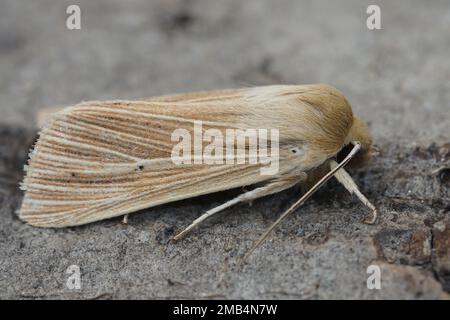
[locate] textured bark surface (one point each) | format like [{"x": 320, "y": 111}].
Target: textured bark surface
[{"x": 395, "y": 78}]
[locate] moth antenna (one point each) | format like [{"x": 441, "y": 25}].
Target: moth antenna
[
  {"x": 309, "y": 193},
  {"x": 346, "y": 180}
]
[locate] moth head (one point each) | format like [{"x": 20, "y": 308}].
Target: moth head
[{"x": 358, "y": 132}]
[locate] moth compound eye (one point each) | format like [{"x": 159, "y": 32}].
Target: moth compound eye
[{"x": 295, "y": 150}]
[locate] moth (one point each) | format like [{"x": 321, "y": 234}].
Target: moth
[{"x": 102, "y": 159}]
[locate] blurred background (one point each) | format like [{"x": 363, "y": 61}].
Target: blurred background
[{"x": 397, "y": 78}]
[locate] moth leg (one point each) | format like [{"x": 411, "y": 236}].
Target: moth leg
[
  {"x": 346, "y": 180},
  {"x": 125, "y": 219},
  {"x": 271, "y": 188},
  {"x": 309, "y": 193}
]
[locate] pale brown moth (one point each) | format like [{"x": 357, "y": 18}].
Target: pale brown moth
[{"x": 102, "y": 159}]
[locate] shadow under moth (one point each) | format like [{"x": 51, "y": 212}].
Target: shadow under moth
[{"x": 102, "y": 159}]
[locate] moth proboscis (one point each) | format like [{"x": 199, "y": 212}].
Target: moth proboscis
[{"x": 102, "y": 159}]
